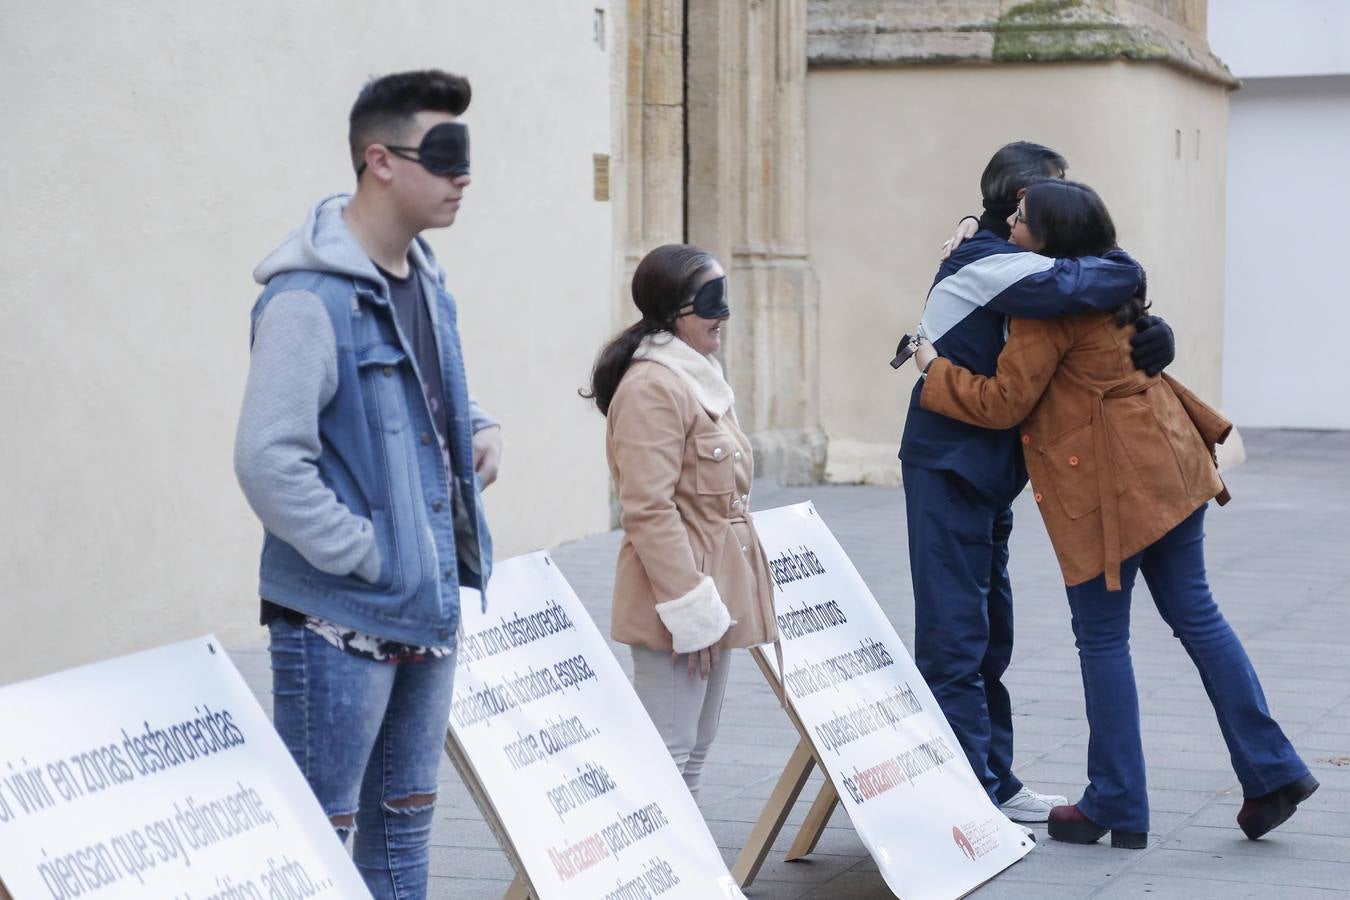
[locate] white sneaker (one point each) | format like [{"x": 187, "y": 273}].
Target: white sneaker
[{"x": 1028, "y": 806}]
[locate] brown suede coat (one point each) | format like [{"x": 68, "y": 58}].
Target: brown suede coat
[
  {"x": 1116, "y": 458},
  {"x": 683, "y": 479}
]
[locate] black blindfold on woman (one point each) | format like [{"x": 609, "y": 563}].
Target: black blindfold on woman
[{"x": 710, "y": 301}]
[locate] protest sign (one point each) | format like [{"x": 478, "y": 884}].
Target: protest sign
[
  {"x": 867, "y": 717},
  {"x": 157, "y": 775},
  {"x": 554, "y": 744}
]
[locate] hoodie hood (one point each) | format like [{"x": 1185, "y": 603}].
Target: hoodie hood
[{"x": 324, "y": 243}]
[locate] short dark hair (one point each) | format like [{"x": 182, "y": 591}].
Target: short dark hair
[
  {"x": 1016, "y": 166},
  {"x": 386, "y": 105},
  {"x": 1071, "y": 220}
]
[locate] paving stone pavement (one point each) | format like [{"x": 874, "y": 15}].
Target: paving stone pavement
[{"x": 1279, "y": 563}]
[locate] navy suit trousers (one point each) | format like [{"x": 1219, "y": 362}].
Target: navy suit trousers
[{"x": 963, "y": 616}]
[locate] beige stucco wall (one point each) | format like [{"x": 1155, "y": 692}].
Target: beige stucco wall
[
  {"x": 894, "y": 157},
  {"x": 154, "y": 152}
]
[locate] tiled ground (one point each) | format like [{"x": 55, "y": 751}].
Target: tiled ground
[{"x": 1279, "y": 559}]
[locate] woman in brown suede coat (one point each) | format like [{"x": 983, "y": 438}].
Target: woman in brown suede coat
[
  {"x": 692, "y": 578},
  {"x": 1122, "y": 467}
]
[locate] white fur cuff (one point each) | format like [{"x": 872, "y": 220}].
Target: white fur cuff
[{"x": 696, "y": 620}]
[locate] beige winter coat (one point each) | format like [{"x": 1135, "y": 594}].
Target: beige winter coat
[{"x": 690, "y": 562}]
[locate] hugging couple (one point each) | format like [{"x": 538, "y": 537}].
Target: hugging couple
[{"x": 1038, "y": 360}]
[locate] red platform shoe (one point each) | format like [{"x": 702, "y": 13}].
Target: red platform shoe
[
  {"x": 1069, "y": 825},
  {"x": 1260, "y": 814}
]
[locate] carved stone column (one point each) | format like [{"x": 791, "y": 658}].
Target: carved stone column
[
  {"x": 746, "y": 202},
  {"x": 653, "y": 133},
  {"x": 647, "y": 161}
]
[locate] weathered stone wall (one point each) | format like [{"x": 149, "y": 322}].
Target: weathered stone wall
[
  {"x": 895, "y": 32},
  {"x": 825, "y": 214},
  {"x": 894, "y": 159},
  {"x": 747, "y": 203}
]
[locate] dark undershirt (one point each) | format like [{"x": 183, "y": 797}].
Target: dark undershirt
[{"x": 410, "y": 308}]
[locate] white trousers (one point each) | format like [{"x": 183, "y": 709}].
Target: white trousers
[{"x": 685, "y": 710}]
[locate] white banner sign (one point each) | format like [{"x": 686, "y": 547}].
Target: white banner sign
[
  {"x": 560, "y": 744},
  {"x": 889, "y": 751},
  {"x": 157, "y": 775}
]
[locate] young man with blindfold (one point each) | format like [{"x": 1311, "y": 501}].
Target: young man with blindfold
[{"x": 363, "y": 454}]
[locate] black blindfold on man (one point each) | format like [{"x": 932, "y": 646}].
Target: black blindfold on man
[{"x": 444, "y": 150}]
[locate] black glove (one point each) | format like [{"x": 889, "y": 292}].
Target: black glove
[{"x": 1154, "y": 347}]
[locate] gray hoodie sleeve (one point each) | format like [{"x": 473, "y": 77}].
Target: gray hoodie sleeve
[
  {"x": 478, "y": 420},
  {"x": 292, "y": 376}
]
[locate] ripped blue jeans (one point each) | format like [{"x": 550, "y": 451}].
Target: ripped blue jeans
[{"x": 368, "y": 737}]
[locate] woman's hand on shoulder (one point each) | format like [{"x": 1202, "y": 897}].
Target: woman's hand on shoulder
[{"x": 965, "y": 229}]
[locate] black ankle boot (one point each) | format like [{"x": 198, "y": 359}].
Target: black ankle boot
[{"x": 1260, "y": 814}]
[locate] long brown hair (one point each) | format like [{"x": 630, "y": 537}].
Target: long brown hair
[{"x": 662, "y": 283}]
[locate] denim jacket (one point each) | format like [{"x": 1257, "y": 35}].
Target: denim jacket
[{"x": 362, "y": 532}]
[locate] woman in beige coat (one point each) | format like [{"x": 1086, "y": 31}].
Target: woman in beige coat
[{"x": 692, "y": 579}]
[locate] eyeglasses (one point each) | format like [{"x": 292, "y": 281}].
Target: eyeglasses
[{"x": 1018, "y": 215}]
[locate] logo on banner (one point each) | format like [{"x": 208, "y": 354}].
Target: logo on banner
[
  {"x": 976, "y": 839},
  {"x": 963, "y": 842}
]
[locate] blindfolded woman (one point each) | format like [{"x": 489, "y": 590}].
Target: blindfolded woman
[{"x": 692, "y": 579}]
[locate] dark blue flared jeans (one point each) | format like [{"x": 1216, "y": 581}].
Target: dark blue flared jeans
[{"x": 1174, "y": 570}]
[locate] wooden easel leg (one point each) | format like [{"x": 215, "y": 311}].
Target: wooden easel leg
[
  {"x": 813, "y": 826},
  {"x": 520, "y": 887},
  {"x": 776, "y": 811}
]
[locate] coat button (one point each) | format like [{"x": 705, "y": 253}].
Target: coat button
[
  {"x": 717, "y": 453},
  {"x": 437, "y": 506},
  {"x": 449, "y": 573},
  {"x": 1038, "y": 497},
  {"x": 1026, "y": 439},
  {"x": 745, "y": 549},
  {"x": 1073, "y": 460},
  {"x": 736, "y": 504},
  {"x": 388, "y": 371},
  {"x": 426, "y": 438},
  {"x": 736, "y": 455}
]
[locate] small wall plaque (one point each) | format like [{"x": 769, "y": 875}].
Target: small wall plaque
[{"x": 600, "y": 167}]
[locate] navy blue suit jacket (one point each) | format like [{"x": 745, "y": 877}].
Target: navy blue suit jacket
[{"x": 986, "y": 280}]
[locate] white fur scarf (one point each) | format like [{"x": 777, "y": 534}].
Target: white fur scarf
[{"x": 702, "y": 373}]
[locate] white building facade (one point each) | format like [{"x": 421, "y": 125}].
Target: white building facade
[{"x": 1287, "y": 305}]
